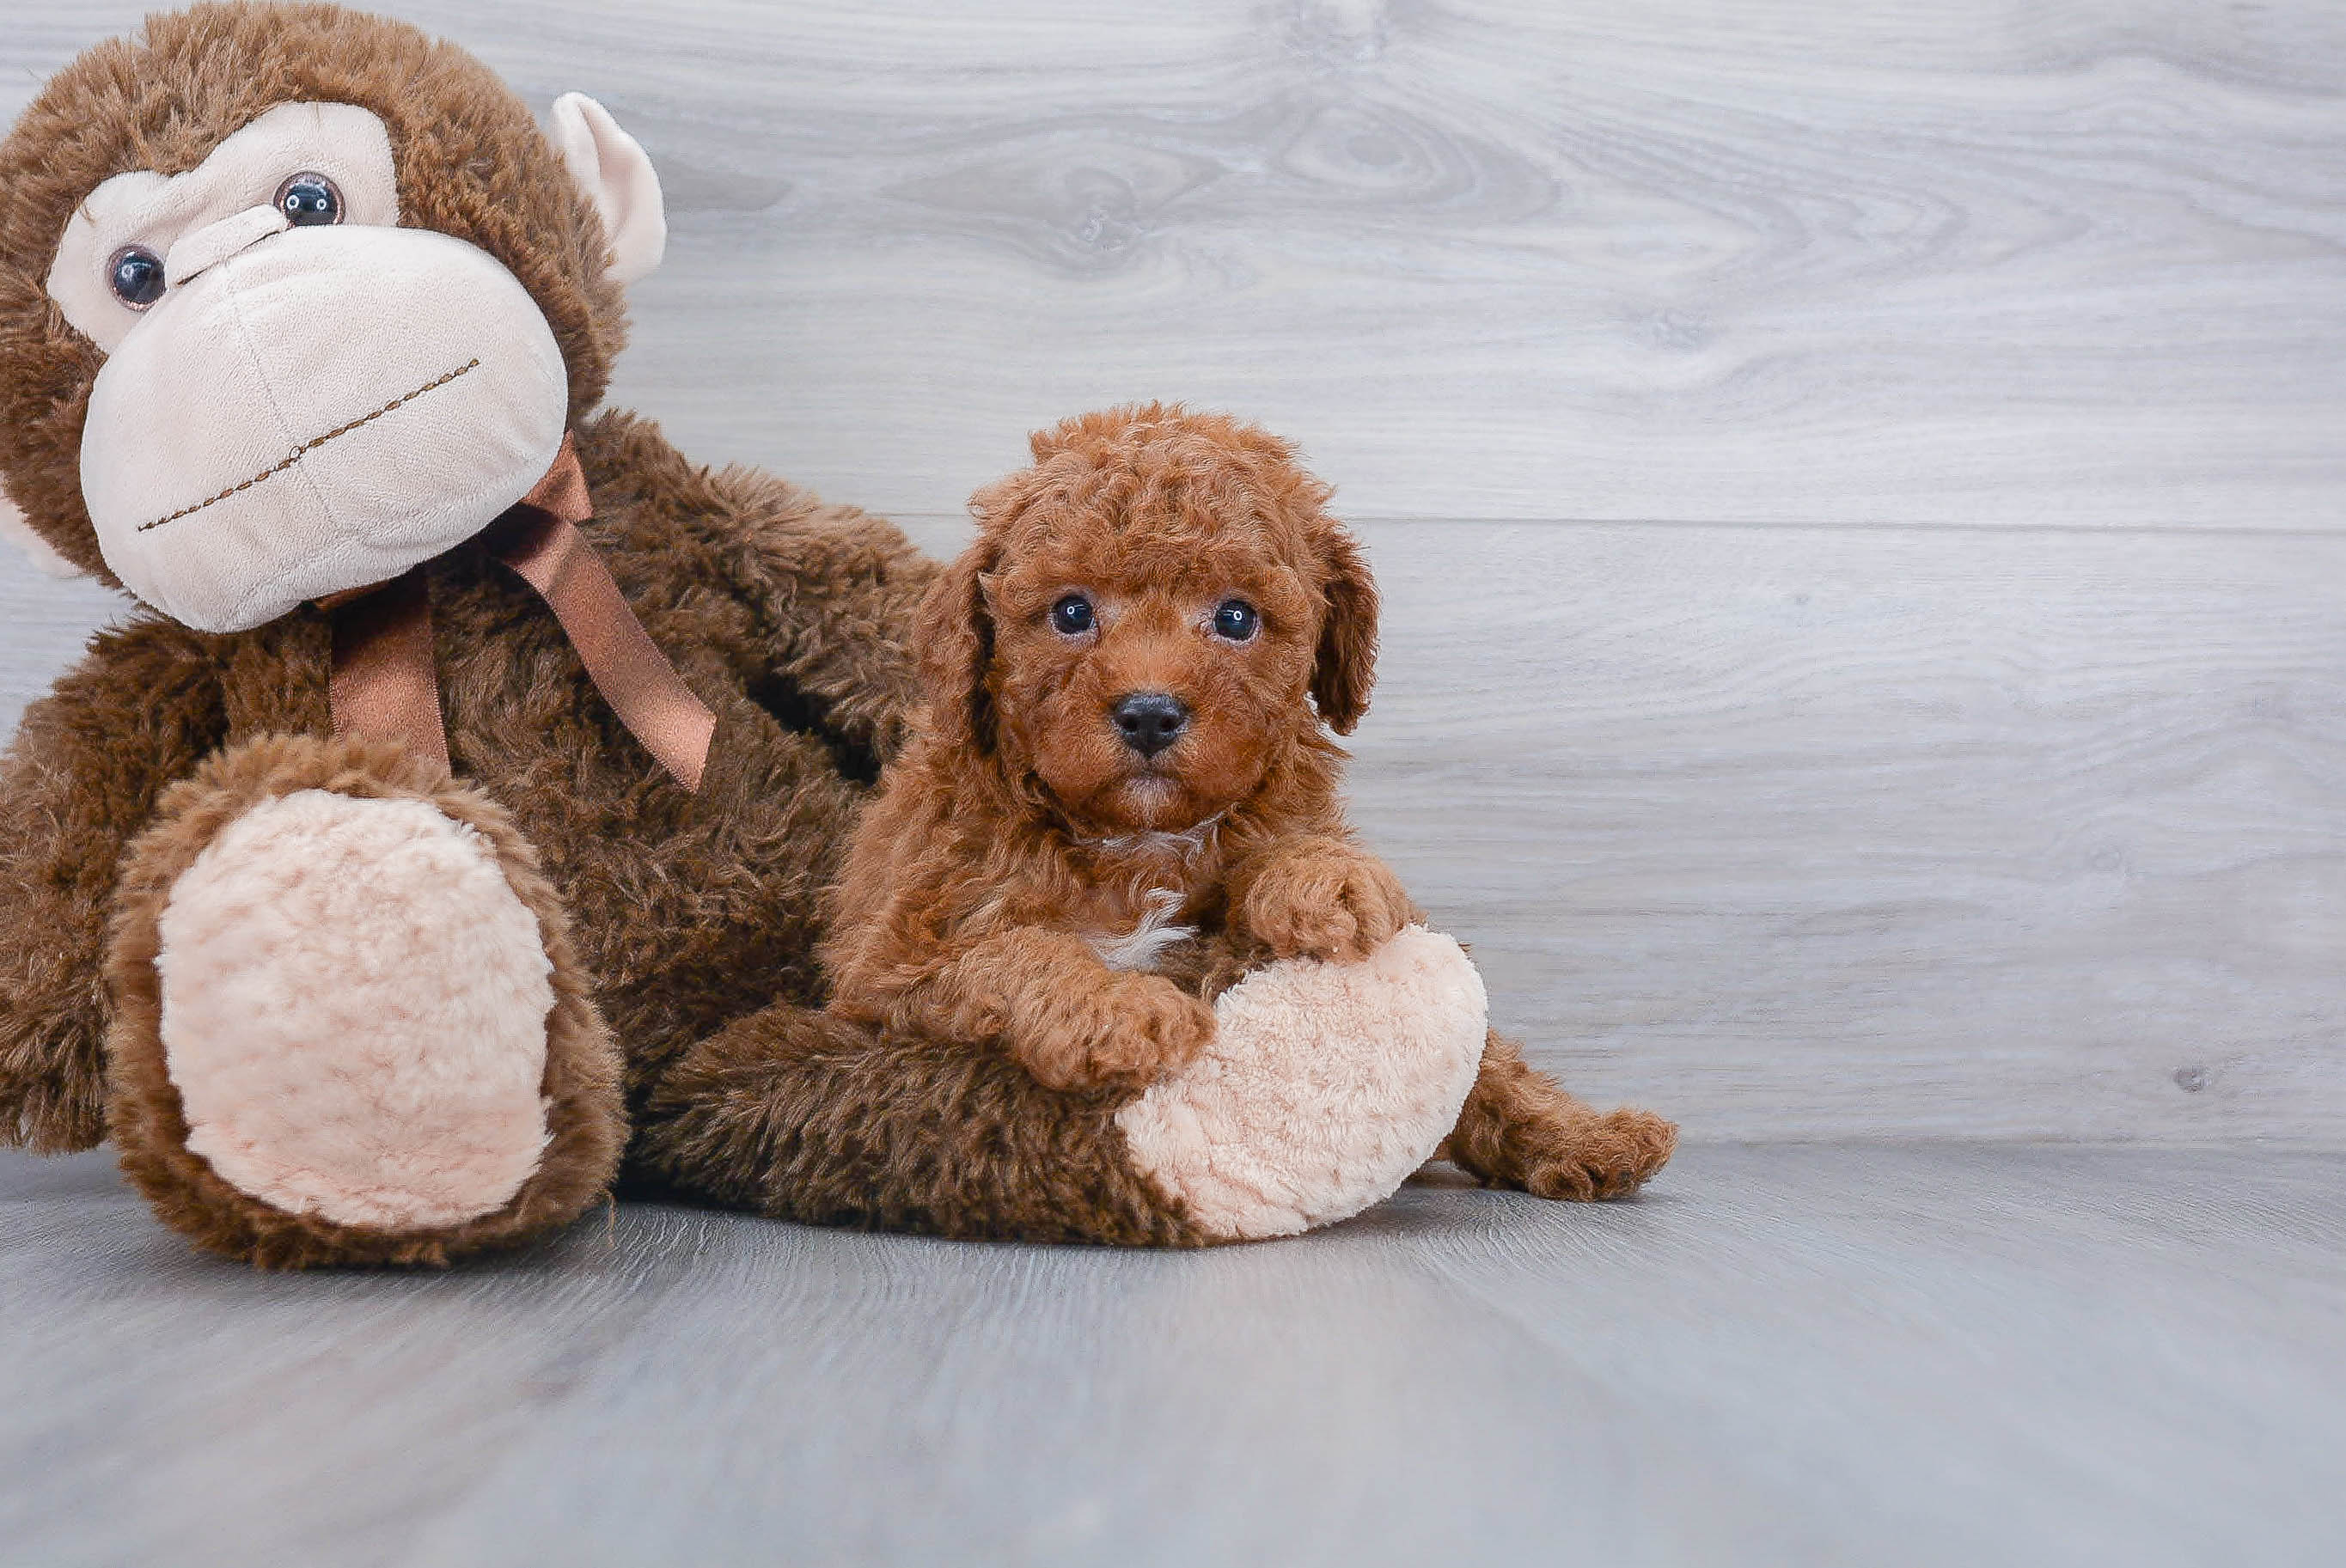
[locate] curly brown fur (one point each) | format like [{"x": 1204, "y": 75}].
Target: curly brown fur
[
  {"x": 1519, "y": 1130},
  {"x": 790, "y": 618},
  {"x": 810, "y": 1118},
  {"x": 1021, "y": 835},
  {"x": 586, "y": 1126}
]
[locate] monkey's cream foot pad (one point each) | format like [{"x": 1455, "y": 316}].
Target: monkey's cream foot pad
[
  {"x": 354, "y": 1011},
  {"x": 1326, "y": 1085}
]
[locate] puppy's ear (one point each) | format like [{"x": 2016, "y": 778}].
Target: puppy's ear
[
  {"x": 1346, "y": 663},
  {"x": 953, "y": 640}
]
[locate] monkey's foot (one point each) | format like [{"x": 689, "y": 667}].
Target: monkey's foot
[
  {"x": 348, "y": 1027},
  {"x": 1325, "y": 1086}
]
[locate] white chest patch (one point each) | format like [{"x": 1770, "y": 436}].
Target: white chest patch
[{"x": 1143, "y": 947}]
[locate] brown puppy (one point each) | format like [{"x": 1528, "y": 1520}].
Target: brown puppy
[{"x": 1122, "y": 797}]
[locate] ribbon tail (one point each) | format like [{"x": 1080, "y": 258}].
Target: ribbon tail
[
  {"x": 383, "y": 685},
  {"x": 547, "y": 551}
]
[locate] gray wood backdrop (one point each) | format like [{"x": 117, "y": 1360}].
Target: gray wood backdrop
[{"x": 1856, "y": 486}]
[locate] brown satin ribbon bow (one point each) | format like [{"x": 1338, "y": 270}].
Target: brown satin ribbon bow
[{"x": 383, "y": 685}]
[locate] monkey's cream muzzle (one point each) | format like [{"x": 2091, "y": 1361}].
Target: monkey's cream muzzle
[{"x": 260, "y": 439}]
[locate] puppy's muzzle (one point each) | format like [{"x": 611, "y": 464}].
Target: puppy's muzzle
[{"x": 1149, "y": 721}]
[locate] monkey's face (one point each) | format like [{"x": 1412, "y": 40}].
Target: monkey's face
[
  {"x": 294, "y": 298},
  {"x": 298, "y": 396}
]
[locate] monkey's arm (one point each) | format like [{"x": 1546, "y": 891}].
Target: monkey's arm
[
  {"x": 840, "y": 591},
  {"x": 81, "y": 780},
  {"x": 822, "y": 595}
]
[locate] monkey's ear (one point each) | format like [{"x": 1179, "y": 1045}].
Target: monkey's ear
[
  {"x": 1347, "y": 664},
  {"x": 611, "y": 166},
  {"x": 953, "y": 638},
  {"x": 39, "y": 551}
]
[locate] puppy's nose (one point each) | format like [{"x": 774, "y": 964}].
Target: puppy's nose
[{"x": 1149, "y": 721}]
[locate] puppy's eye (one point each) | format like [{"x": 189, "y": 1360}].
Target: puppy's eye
[
  {"x": 308, "y": 199},
  {"x": 1236, "y": 619},
  {"x": 136, "y": 275},
  {"x": 1072, "y": 615}
]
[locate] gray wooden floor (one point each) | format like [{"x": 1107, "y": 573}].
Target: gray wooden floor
[{"x": 1959, "y": 1355}]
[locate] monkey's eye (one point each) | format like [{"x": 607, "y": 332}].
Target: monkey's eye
[
  {"x": 308, "y": 199},
  {"x": 136, "y": 275},
  {"x": 1072, "y": 615},
  {"x": 1236, "y": 619}
]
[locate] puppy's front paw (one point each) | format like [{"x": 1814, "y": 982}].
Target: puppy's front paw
[
  {"x": 1121, "y": 1033},
  {"x": 1610, "y": 1156},
  {"x": 1332, "y": 902}
]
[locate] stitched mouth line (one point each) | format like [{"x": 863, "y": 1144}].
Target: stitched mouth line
[{"x": 312, "y": 445}]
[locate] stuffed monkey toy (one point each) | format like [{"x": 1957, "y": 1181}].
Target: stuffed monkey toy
[
  {"x": 443, "y": 836},
  {"x": 473, "y": 754}
]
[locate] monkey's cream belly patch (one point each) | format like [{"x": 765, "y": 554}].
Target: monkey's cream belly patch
[
  {"x": 354, "y": 1012},
  {"x": 1325, "y": 1086}
]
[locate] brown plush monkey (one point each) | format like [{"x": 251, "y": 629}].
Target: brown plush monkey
[
  {"x": 365, "y": 923},
  {"x": 450, "y": 826}
]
